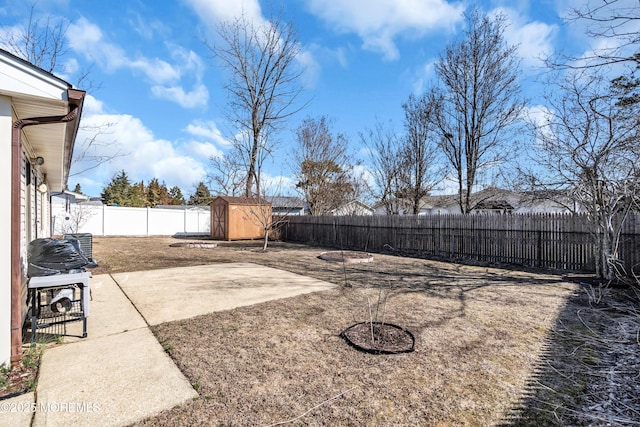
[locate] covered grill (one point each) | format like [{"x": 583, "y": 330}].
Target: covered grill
[{"x": 58, "y": 286}]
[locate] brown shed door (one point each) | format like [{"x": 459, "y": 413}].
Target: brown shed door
[{"x": 218, "y": 220}]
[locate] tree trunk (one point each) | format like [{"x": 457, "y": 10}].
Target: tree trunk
[{"x": 266, "y": 239}]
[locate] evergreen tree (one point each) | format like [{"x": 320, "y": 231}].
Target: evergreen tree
[
  {"x": 116, "y": 193},
  {"x": 201, "y": 197},
  {"x": 165, "y": 197},
  {"x": 137, "y": 195},
  {"x": 154, "y": 193},
  {"x": 176, "y": 196},
  {"x": 77, "y": 189}
]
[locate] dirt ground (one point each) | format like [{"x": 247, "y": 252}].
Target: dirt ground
[{"x": 485, "y": 339}]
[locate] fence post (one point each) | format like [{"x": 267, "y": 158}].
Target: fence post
[{"x": 539, "y": 254}]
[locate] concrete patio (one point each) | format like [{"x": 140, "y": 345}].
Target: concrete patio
[{"x": 120, "y": 374}]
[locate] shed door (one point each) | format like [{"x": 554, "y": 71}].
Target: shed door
[{"x": 218, "y": 221}]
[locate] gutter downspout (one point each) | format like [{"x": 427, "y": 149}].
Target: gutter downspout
[{"x": 16, "y": 274}]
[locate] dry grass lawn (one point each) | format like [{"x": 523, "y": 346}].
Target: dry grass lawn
[{"x": 480, "y": 334}]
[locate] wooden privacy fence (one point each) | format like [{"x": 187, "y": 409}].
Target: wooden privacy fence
[{"x": 550, "y": 241}]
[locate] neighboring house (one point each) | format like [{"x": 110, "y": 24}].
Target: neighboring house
[
  {"x": 494, "y": 201},
  {"x": 353, "y": 208},
  {"x": 39, "y": 118},
  {"x": 67, "y": 212},
  {"x": 286, "y": 205}
]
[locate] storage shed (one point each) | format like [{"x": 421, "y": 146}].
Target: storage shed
[{"x": 238, "y": 218}]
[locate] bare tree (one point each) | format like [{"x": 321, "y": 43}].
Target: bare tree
[
  {"x": 261, "y": 213},
  {"x": 384, "y": 149},
  {"x": 77, "y": 216},
  {"x": 92, "y": 151},
  {"x": 263, "y": 87},
  {"x": 420, "y": 169},
  {"x": 322, "y": 166},
  {"x": 479, "y": 101},
  {"x": 589, "y": 151},
  {"x": 613, "y": 20},
  {"x": 43, "y": 43},
  {"x": 226, "y": 174}
]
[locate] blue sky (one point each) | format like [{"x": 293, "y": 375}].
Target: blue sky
[{"x": 160, "y": 102}]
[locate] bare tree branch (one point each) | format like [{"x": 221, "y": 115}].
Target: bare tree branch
[
  {"x": 478, "y": 103},
  {"x": 588, "y": 149},
  {"x": 384, "y": 151},
  {"x": 420, "y": 168},
  {"x": 263, "y": 87}
]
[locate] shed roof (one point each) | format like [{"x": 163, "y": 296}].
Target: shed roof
[{"x": 241, "y": 200}]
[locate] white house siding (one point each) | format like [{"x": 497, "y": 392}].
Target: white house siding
[
  {"x": 29, "y": 228},
  {"x": 33, "y": 219},
  {"x": 6, "y": 121}
]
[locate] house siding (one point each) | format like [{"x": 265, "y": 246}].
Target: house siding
[
  {"x": 33, "y": 219},
  {"x": 6, "y": 121},
  {"x": 26, "y": 210}
]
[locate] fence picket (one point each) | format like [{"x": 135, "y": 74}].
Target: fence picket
[{"x": 553, "y": 241}]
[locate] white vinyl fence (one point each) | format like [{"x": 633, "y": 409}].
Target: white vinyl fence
[{"x": 124, "y": 221}]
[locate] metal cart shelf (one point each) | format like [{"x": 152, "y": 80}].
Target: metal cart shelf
[{"x": 45, "y": 313}]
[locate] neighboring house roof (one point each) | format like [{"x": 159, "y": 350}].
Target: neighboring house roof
[
  {"x": 439, "y": 201},
  {"x": 353, "y": 207},
  {"x": 498, "y": 199},
  {"x": 286, "y": 202}
]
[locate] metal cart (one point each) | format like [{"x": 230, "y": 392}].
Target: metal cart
[{"x": 57, "y": 300}]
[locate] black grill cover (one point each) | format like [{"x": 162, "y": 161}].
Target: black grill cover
[{"x": 54, "y": 256}]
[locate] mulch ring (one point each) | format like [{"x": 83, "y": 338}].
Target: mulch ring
[
  {"x": 348, "y": 257},
  {"x": 379, "y": 338},
  {"x": 200, "y": 245}
]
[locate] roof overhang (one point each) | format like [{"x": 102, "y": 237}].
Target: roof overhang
[{"x": 36, "y": 93}]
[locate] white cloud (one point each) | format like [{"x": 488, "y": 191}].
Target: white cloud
[
  {"x": 277, "y": 185},
  {"x": 91, "y": 107},
  {"x": 156, "y": 70},
  {"x": 310, "y": 66},
  {"x": 363, "y": 173},
  {"x": 534, "y": 38},
  {"x": 212, "y": 12},
  {"x": 136, "y": 150},
  {"x": 379, "y": 22},
  {"x": 88, "y": 39},
  {"x": 540, "y": 116},
  {"x": 146, "y": 27},
  {"x": 209, "y": 130},
  {"x": 422, "y": 77},
  {"x": 198, "y": 97},
  {"x": 204, "y": 150}
]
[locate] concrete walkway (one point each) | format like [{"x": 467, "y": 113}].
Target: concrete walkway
[{"x": 120, "y": 374}]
